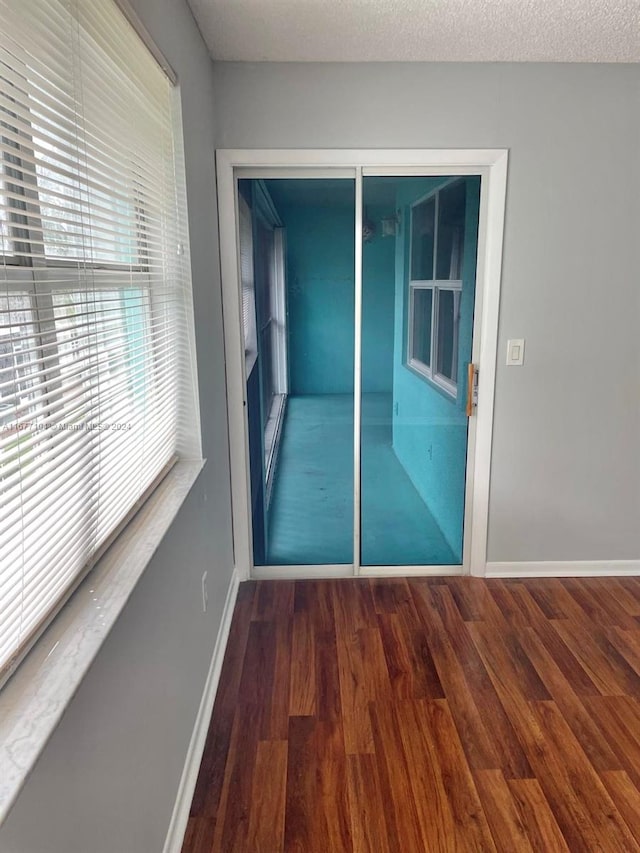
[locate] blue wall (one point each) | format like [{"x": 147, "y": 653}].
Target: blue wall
[
  {"x": 320, "y": 298},
  {"x": 378, "y": 276},
  {"x": 429, "y": 427},
  {"x": 320, "y": 301}
]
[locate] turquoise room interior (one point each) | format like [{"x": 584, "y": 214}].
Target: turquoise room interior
[{"x": 413, "y": 429}]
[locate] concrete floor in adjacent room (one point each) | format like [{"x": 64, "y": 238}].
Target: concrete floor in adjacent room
[{"x": 311, "y": 512}]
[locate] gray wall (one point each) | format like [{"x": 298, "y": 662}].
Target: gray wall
[
  {"x": 566, "y": 468},
  {"x": 107, "y": 780}
]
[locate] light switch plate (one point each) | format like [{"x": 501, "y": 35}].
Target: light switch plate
[{"x": 515, "y": 352}]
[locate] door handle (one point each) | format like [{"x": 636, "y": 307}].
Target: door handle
[{"x": 472, "y": 388}]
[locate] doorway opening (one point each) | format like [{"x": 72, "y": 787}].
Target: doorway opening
[{"x": 360, "y": 294}]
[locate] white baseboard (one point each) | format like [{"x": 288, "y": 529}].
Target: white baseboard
[
  {"x": 180, "y": 816},
  {"x": 263, "y": 573},
  {"x": 564, "y": 569},
  {"x": 408, "y": 571}
]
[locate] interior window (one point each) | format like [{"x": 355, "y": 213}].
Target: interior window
[{"x": 437, "y": 250}]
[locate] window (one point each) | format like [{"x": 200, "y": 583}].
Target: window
[
  {"x": 435, "y": 285},
  {"x": 261, "y": 249},
  {"x": 95, "y": 314},
  {"x": 248, "y": 285}
]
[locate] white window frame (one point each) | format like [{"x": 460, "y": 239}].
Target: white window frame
[
  {"x": 429, "y": 371},
  {"x": 436, "y": 286},
  {"x": 278, "y": 305},
  {"x": 265, "y": 212},
  {"x": 277, "y": 321},
  {"x": 248, "y": 287}
]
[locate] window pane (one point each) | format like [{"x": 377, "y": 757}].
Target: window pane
[
  {"x": 11, "y": 169},
  {"x": 423, "y": 218},
  {"x": 96, "y": 226},
  {"x": 106, "y": 366},
  {"x": 100, "y": 339},
  {"x": 265, "y": 285},
  {"x": 18, "y": 359},
  {"x": 5, "y": 243},
  {"x": 422, "y": 306},
  {"x": 301, "y": 426},
  {"x": 263, "y": 260},
  {"x": 447, "y": 346},
  {"x": 450, "y": 232},
  {"x": 246, "y": 274},
  {"x": 95, "y": 392}
]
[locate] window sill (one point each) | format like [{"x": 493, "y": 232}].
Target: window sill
[
  {"x": 440, "y": 383},
  {"x": 34, "y": 699}
]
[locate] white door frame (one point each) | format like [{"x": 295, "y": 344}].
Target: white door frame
[{"x": 491, "y": 165}]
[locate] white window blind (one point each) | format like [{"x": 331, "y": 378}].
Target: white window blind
[{"x": 94, "y": 296}]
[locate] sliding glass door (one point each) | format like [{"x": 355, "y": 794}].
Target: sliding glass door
[
  {"x": 384, "y": 321},
  {"x": 301, "y": 441},
  {"x": 418, "y": 288}
]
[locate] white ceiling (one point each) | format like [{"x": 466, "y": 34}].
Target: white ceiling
[{"x": 421, "y": 30}]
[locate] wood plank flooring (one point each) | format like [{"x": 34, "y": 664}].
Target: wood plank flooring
[{"x": 439, "y": 714}]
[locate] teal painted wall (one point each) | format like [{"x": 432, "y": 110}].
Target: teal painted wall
[
  {"x": 320, "y": 302},
  {"x": 320, "y": 298},
  {"x": 429, "y": 427},
  {"x": 378, "y": 277}
]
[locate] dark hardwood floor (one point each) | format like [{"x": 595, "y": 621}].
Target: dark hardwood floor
[{"x": 440, "y": 714}]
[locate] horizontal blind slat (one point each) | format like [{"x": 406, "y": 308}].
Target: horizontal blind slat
[{"x": 94, "y": 289}]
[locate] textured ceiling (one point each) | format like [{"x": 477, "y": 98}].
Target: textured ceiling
[{"x": 421, "y": 30}]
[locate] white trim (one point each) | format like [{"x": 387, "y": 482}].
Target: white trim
[
  {"x": 290, "y": 573},
  {"x": 235, "y": 368},
  {"x": 357, "y": 376},
  {"x": 491, "y": 165},
  {"x": 186, "y": 788},
  {"x": 493, "y": 192},
  {"x": 346, "y": 571},
  {"x": 393, "y": 162},
  {"x": 564, "y": 569},
  {"x": 409, "y": 571},
  {"x": 374, "y": 161},
  {"x": 279, "y": 309},
  {"x": 268, "y": 174}
]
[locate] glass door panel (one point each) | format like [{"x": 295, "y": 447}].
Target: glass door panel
[
  {"x": 301, "y": 438},
  {"x": 418, "y": 291}
]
